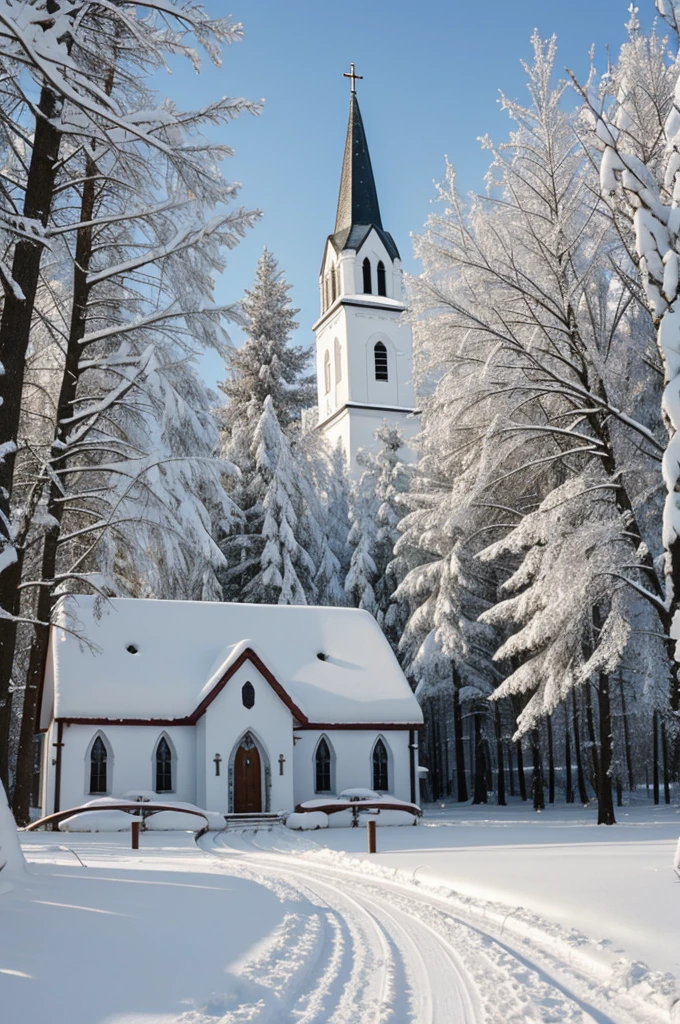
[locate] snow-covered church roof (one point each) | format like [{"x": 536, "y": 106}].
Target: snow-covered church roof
[{"x": 145, "y": 659}]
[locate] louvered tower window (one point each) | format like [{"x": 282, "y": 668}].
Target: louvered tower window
[
  {"x": 327, "y": 372},
  {"x": 382, "y": 284},
  {"x": 380, "y": 357},
  {"x": 380, "y": 768},
  {"x": 323, "y": 767},
  {"x": 366, "y": 268},
  {"x": 163, "y": 766},
  {"x": 98, "y": 766}
]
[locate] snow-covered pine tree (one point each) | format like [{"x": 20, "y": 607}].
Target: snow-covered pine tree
[
  {"x": 376, "y": 508},
  {"x": 267, "y": 365}
]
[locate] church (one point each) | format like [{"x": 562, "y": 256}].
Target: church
[
  {"x": 364, "y": 352},
  {"x": 244, "y": 708},
  {"x": 239, "y": 708}
]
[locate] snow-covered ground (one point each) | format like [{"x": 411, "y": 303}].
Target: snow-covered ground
[{"x": 280, "y": 927}]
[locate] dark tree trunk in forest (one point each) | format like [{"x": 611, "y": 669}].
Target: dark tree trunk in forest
[
  {"x": 461, "y": 782},
  {"x": 521, "y": 777},
  {"x": 500, "y": 783},
  {"x": 580, "y": 774},
  {"x": 537, "y": 793},
  {"x": 480, "y": 793},
  {"x": 666, "y": 766},
  {"x": 619, "y": 792},
  {"x": 551, "y": 762},
  {"x": 655, "y": 756},
  {"x": 511, "y": 771},
  {"x": 626, "y": 737},
  {"x": 605, "y": 802},
  {"x": 15, "y": 331},
  {"x": 568, "y": 787},
  {"x": 55, "y": 504},
  {"x": 592, "y": 742}
]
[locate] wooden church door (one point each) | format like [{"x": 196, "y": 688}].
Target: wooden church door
[{"x": 247, "y": 778}]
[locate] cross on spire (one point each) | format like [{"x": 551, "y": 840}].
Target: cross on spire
[{"x": 353, "y": 76}]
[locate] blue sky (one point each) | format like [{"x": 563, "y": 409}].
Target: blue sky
[{"x": 432, "y": 72}]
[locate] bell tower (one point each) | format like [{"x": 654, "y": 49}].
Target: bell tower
[{"x": 364, "y": 354}]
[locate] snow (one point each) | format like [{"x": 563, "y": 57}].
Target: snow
[
  {"x": 97, "y": 821},
  {"x": 183, "y": 648},
  {"x": 493, "y": 914},
  {"x": 310, "y": 820}
]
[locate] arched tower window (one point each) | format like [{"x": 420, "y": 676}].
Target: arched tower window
[
  {"x": 338, "y": 361},
  {"x": 382, "y": 285},
  {"x": 98, "y": 758},
  {"x": 366, "y": 269},
  {"x": 322, "y": 767},
  {"x": 381, "y": 781},
  {"x": 380, "y": 358},
  {"x": 163, "y": 773},
  {"x": 334, "y": 284},
  {"x": 248, "y": 695},
  {"x": 327, "y": 371}
]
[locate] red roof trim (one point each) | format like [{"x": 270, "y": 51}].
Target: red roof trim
[{"x": 324, "y": 726}]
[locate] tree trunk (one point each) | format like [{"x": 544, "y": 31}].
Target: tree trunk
[
  {"x": 626, "y": 737},
  {"x": 666, "y": 766},
  {"x": 500, "y": 775},
  {"x": 568, "y": 788},
  {"x": 605, "y": 803},
  {"x": 520, "y": 771},
  {"x": 15, "y": 331},
  {"x": 511, "y": 771},
  {"x": 480, "y": 793},
  {"x": 551, "y": 762},
  {"x": 580, "y": 774},
  {"x": 55, "y": 503},
  {"x": 537, "y": 793},
  {"x": 655, "y": 755},
  {"x": 461, "y": 783},
  {"x": 592, "y": 742}
]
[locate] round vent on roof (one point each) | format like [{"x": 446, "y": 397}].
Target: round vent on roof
[
  {"x": 322, "y": 656},
  {"x": 132, "y": 649}
]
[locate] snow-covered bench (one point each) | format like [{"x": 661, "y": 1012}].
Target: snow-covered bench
[{"x": 353, "y": 808}]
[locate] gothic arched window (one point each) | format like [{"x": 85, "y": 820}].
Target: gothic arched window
[
  {"x": 380, "y": 358},
  {"x": 382, "y": 285},
  {"x": 163, "y": 767},
  {"x": 338, "y": 361},
  {"x": 248, "y": 695},
  {"x": 98, "y": 757},
  {"x": 334, "y": 285},
  {"x": 381, "y": 781},
  {"x": 327, "y": 371},
  {"x": 322, "y": 764},
  {"x": 366, "y": 269}
]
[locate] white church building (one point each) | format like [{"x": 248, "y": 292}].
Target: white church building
[
  {"x": 239, "y": 708},
  {"x": 364, "y": 352}
]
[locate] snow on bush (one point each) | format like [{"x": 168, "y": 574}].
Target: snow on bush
[
  {"x": 98, "y": 821},
  {"x": 359, "y": 794},
  {"x": 311, "y": 820},
  {"x": 177, "y": 821}
]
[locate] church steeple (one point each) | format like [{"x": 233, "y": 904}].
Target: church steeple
[{"x": 358, "y": 207}]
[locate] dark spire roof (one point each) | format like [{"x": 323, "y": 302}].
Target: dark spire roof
[{"x": 358, "y": 208}]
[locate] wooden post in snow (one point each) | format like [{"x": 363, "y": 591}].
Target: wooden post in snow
[
  {"x": 134, "y": 834},
  {"x": 370, "y": 829}
]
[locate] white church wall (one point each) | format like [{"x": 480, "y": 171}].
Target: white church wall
[
  {"x": 351, "y": 752},
  {"x": 201, "y": 763},
  {"x": 130, "y": 761},
  {"x": 269, "y": 720}
]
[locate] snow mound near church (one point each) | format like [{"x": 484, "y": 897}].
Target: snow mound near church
[
  {"x": 97, "y": 821},
  {"x": 176, "y": 819}
]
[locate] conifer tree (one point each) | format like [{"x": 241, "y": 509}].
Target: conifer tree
[{"x": 267, "y": 365}]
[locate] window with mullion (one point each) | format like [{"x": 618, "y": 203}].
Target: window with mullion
[
  {"x": 323, "y": 767},
  {"x": 98, "y": 766},
  {"x": 163, "y": 766},
  {"x": 380, "y": 767}
]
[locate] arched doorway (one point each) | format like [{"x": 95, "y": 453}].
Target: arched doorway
[{"x": 247, "y": 777}]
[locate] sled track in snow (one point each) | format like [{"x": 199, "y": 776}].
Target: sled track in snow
[{"x": 357, "y": 949}]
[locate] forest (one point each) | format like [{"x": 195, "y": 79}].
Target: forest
[{"x": 525, "y": 567}]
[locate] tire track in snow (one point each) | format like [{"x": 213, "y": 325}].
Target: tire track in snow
[
  {"x": 494, "y": 980},
  {"x": 396, "y": 969}
]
